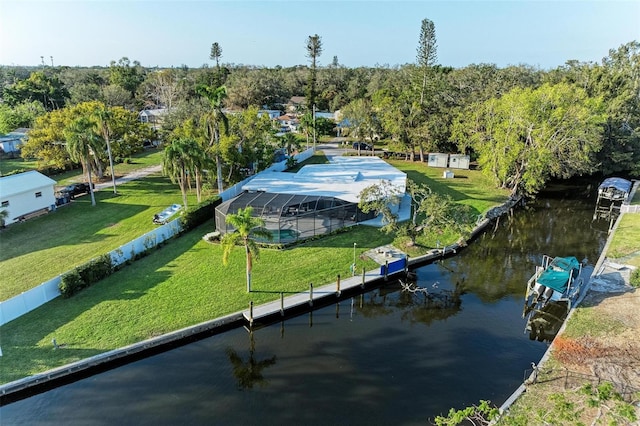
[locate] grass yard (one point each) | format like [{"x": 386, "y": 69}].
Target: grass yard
[
  {"x": 181, "y": 284},
  {"x": 469, "y": 187},
  {"x": 137, "y": 161},
  {"x": 41, "y": 248},
  {"x": 625, "y": 244},
  {"x": 9, "y": 165}
]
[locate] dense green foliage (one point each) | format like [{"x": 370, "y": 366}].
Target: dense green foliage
[
  {"x": 578, "y": 118},
  {"x": 197, "y": 215},
  {"x": 85, "y": 275}
]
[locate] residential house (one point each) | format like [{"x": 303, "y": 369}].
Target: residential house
[
  {"x": 26, "y": 194},
  {"x": 10, "y": 143}
]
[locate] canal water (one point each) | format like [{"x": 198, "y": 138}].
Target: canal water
[{"x": 384, "y": 357}]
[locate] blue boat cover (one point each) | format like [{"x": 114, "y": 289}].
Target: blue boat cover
[
  {"x": 617, "y": 183},
  {"x": 558, "y": 273}
]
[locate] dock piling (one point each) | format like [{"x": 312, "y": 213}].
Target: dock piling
[
  {"x": 281, "y": 304},
  {"x": 338, "y": 286},
  {"x": 310, "y": 294},
  {"x": 363, "y": 277},
  {"x": 251, "y": 314},
  {"x": 386, "y": 270}
]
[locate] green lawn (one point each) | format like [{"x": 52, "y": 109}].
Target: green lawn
[
  {"x": 137, "y": 161},
  {"x": 182, "y": 283},
  {"x": 469, "y": 187},
  {"x": 41, "y": 248},
  {"x": 626, "y": 240},
  {"x": 9, "y": 165}
]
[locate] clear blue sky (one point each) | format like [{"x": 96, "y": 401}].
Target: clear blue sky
[{"x": 270, "y": 32}]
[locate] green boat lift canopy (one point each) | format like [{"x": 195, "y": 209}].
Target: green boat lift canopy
[{"x": 559, "y": 272}]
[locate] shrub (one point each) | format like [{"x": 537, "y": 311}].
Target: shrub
[
  {"x": 71, "y": 283},
  {"x": 197, "y": 215},
  {"x": 85, "y": 275},
  {"x": 96, "y": 269}
]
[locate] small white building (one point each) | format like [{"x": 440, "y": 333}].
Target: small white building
[
  {"x": 25, "y": 193},
  {"x": 458, "y": 161},
  {"x": 437, "y": 159}
]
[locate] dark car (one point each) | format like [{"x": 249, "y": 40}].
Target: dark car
[
  {"x": 362, "y": 146},
  {"x": 76, "y": 189}
]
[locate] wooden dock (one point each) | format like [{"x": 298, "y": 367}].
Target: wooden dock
[{"x": 297, "y": 303}]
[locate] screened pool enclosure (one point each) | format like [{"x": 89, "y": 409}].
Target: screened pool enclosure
[
  {"x": 318, "y": 199},
  {"x": 291, "y": 217}
]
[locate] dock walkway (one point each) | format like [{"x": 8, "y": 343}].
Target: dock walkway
[{"x": 304, "y": 301}]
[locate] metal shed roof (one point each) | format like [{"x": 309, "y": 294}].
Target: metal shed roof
[{"x": 23, "y": 182}]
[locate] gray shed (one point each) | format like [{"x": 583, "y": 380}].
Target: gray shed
[
  {"x": 458, "y": 161},
  {"x": 437, "y": 159}
]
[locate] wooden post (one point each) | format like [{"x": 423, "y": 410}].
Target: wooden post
[
  {"x": 251, "y": 314},
  {"x": 386, "y": 270},
  {"x": 338, "y": 286},
  {"x": 281, "y": 304},
  {"x": 406, "y": 264},
  {"x": 363, "y": 277},
  {"x": 310, "y": 294}
]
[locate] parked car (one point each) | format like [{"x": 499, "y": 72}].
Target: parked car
[
  {"x": 76, "y": 189},
  {"x": 362, "y": 146}
]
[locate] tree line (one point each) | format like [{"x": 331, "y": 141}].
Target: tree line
[{"x": 522, "y": 125}]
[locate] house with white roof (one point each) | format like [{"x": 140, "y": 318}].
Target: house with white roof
[
  {"x": 318, "y": 199},
  {"x": 11, "y": 141},
  {"x": 26, "y": 194}
]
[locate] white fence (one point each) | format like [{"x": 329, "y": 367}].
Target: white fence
[
  {"x": 626, "y": 208},
  {"x": 31, "y": 299}
]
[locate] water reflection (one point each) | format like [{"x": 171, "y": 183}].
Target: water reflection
[{"x": 249, "y": 373}]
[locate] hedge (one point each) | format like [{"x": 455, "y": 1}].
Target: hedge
[
  {"x": 85, "y": 275},
  {"x": 199, "y": 214}
]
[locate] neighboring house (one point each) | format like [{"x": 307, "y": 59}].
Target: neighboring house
[
  {"x": 295, "y": 103},
  {"x": 288, "y": 123},
  {"x": 155, "y": 117},
  {"x": 25, "y": 194},
  {"x": 11, "y": 141},
  {"x": 272, "y": 113}
]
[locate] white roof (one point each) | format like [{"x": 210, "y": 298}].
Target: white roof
[
  {"x": 344, "y": 178},
  {"x": 22, "y": 182}
]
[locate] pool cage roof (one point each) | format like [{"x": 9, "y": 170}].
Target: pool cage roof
[
  {"x": 266, "y": 204},
  {"x": 292, "y": 217}
]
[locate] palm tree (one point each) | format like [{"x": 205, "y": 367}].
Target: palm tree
[
  {"x": 81, "y": 143},
  {"x": 179, "y": 160},
  {"x": 215, "y": 123},
  {"x": 103, "y": 116},
  {"x": 290, "y": 143},
  {"x": 247, "y": 227}
]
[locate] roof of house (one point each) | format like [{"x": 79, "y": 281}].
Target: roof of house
[
  {"x": 23, "y": 182},
  {"x": 154, "y": 112},
  {"x": 345, "y": 178},
  {"x": 297, "y": 100}
]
